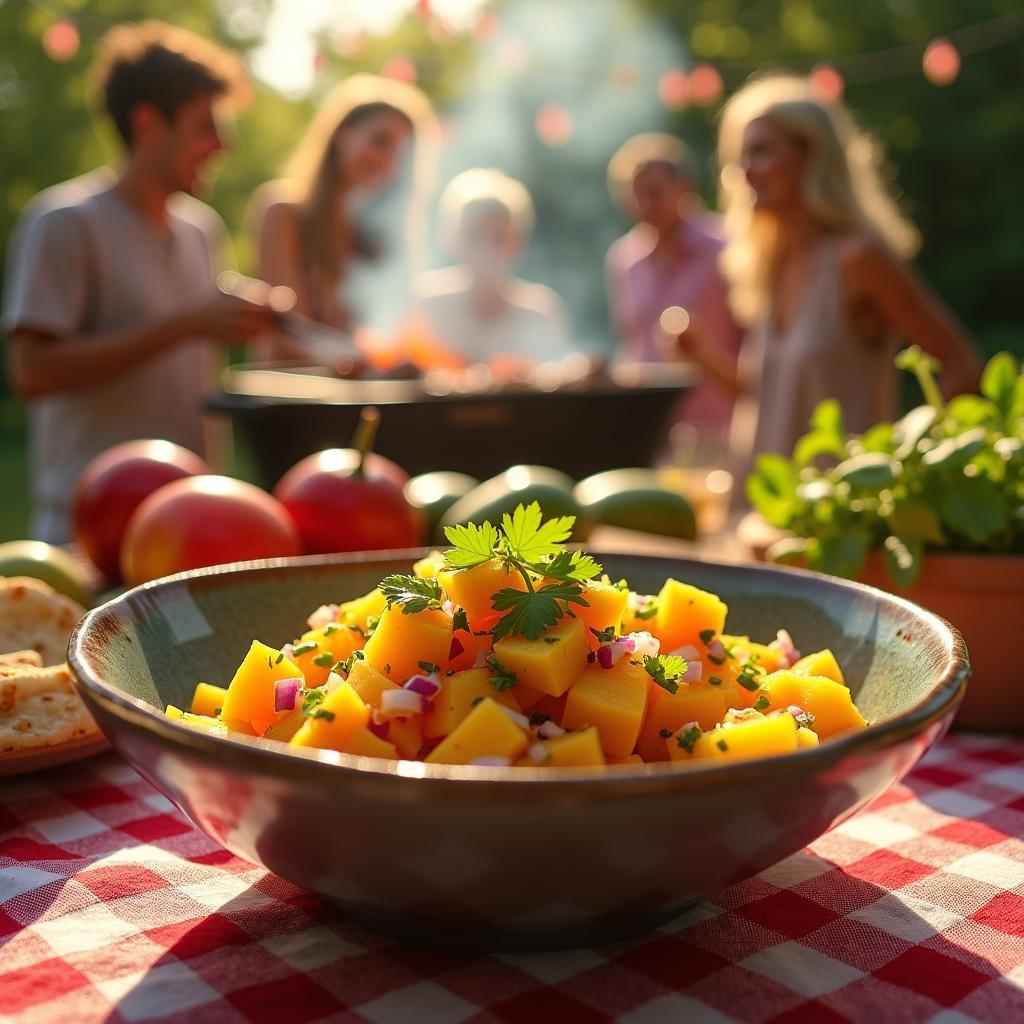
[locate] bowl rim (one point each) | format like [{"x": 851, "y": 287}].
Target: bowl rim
[{"x": 276, "y": 758}]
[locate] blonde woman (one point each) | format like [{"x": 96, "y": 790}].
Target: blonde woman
[
  {"x": 310, "y": 226},
  {"x": 816, "y": 262}
]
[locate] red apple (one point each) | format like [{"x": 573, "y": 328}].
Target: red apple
[
  {"x": 204, "y": 520},
  {"x": 111, "y": 488},
  {"x": 339, "y": 504}
]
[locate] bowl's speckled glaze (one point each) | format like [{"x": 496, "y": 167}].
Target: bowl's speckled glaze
[{"x": 507, "y": 858}]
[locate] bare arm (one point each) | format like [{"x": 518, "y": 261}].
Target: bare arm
[
  {"x": 912, "y": 310},
  {"x": 41, "y": 362}
]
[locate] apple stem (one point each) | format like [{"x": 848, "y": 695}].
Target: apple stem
[{"x": 366, "y": 433}]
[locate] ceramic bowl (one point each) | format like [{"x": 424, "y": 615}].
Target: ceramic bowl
[{"x": 494, "y": 858}]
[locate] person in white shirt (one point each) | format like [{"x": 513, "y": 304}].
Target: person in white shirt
[
  {"x": 111, "y": 307},
  {"x": 478, "y": 311}
]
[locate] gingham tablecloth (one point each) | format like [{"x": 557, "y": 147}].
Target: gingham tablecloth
[{"x": 114, "y": 908}]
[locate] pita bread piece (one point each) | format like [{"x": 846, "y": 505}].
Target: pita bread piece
[
  {"x": 39, "y": 707},
  {"x": 35, "y": 617}
]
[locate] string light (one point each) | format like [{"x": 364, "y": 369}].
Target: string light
[
  {"x": 941, "y": 62},
  {"x": 553, "y": 124},
  {"x": 706, "y": 84},
  {"x": 61, "y": 40},
  {"x": 826, "y": 83},
  {"x": 674, "y": 89}
]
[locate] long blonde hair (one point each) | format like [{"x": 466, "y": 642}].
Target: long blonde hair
[
  {"x": 842, "y": 187},
  {"x": 312, "y": 170}
]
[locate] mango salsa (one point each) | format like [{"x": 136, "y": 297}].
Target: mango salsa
[{"x": 510, "y": 650}]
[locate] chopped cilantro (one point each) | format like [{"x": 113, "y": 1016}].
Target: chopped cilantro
[
  {"x": 305, "y": 647},
  {"x": 217, "y": 712},
  {"x": 503, "y": 678},
  {"x": 715, "y": 680},
  {"x": 279, "y": 658},
  {"x": 539, "y": 718},
  {"x": 552, "y": 639},
  {"x": 321, "y": 713},
  {"x": 716, "y": 660},
  {"x": 665, "y": 670},
  {"x": 372, "y": 622},
  {"x": 324, "y": 659},
  {"x": 750, "y": 674},
  {"x": 459, "y": 620},
  {"x": 355, "y": 656},
  {"x": 604, "y": 636},
  {"x": 706, "y": 636},
  {"x": 356, "y": 628},
  {"x": 476, "y": 700},
  {"x": 333, "y": 627},
  {"x": 387, "y": 669},
  {"x": 664, "y": 733},
  {"x": 270, "y": 660},
  {"x": 648, "y": 611},
  {"x": 688, "y": 736},
  {"x": 428, "y": 666},
  {"x": 411, "y": 593},
  {"x": 621, "y": 585},
  {"x": 722, "y": 745},
  {"x": 762, "y": 702},
  {"x": 310, "y": 700}
]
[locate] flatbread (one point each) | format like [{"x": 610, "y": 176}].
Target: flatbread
[
  {"x": 35, "y": 617},
  {"x": 30, "y": 659},
  {"x": 40, "y": 708}
]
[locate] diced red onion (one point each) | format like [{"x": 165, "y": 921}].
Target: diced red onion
[
  {"x": 482, "y": 658},
  {"x": 324, "y": 615},
  {"x": 491, "y": 761},
  {"x": 550, "y": 730},
  {"x": 783, "y": 646},
  {"x": 379, "y": 729},
  {"x": 716, "y": 649},
  {"x": 399, "y": 703},
  {"x": 694, "y": 672},
  {"x": 285, "y": 692},
  {"x": 644, "y": 644},
  {"x": 456, "y": 648},
  {"x": 424, "y": 685},
  {"x": 521, "y": 720},
  {"x": 795, "y": 711},
  {"x": 687, "y": 651},
  {"x": 609, "y": 655}
]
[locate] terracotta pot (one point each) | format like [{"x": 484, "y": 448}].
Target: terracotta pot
[{"x": 983, "y": 596}]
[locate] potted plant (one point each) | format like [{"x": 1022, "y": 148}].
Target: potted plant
[{"x": 931, "y": 506}]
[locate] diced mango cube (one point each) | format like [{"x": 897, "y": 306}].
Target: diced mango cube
[
  {"x": 287, "y": 727},
  {"x": 640, "y": 614},
  {"x": 821, "y": 663},
  {"x": 604, "y": 608},
  {"x": 472, "y": 645},
  {"x": 688, "y": 744},
  {"x": 407, "y": 735},
  {"x": 429, "y": 566},
  {"x": 200, "y": 722},
  {"x": 208, "y": 700},
  {"x": 333, "y": 722},
  {"x": 574, "y": 749},
  {"x": 401, "y": 641},
  {"x": 806, "y": 738},
  {"x": 318, "y": 650},
  {"x": 684, "y": 612},
  {"x": 366, "y": 744},
  {"x": 828, "y": 701},
  {"x": 369, "y": 683},
  {"x": 764, "y": 737},
  {"x": 552, "y": 662},
  {"x": 473, "y": 589},
  {"x": 250, "y": 696},
  {"x": 458, "y": 695},
  {"x": 629, "y": 759},
  {"x": 612, "y": 699},
  {"x": 359, "y": 611},
  {"x": 666, "y": 712},
  {"x": 485, "y": 732}
]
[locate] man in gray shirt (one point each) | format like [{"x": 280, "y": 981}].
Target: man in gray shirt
[{"x": 111, "y": 306}]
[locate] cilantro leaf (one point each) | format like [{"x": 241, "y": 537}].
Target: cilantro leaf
[
  {"x": 532, "y": 613},
  {"x": 459, "y": 620},
  {"x": 411, "y": 592},
  {"x": 688, "y": 736},
  {"x": 604, "y": 636},
  {"x": 503, "y": 678},
  {"x": 471, "y": 545},
  {"x": 310, "y": 700},
  {"x": 665, "y": 670},
  {"x": 529, "y": 538},
  {"x": 568, "y": 565}
]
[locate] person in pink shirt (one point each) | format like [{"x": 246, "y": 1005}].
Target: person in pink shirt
[{"x": 668, "y": 259}]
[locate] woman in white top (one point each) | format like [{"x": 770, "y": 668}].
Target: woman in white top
[
  {"x": 310, "y": 226},
  {"x": 815, "y": 260},
  {"x": 478, "y": 311}
]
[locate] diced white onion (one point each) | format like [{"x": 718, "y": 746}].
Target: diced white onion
[
  {"x": 550, "y": 730},
  {"x": 324, "y": 615},
  {"x": 687, "y": 651},
  {"x": 491, "y": 761},
  {"x": 521, "y": 720},
  {"x": 694, "y": 672},
  {"x": 644, "y": 644},
  {"x": 399, "y": 703}
]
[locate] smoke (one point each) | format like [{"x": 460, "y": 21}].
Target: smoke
[{"x": 589, "y": 69}]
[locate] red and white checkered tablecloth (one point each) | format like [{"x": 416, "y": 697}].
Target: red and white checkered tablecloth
[{"x": 114, "y": 908}]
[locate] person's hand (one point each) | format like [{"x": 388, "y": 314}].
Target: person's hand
[{"x": 232, "y": 319}]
